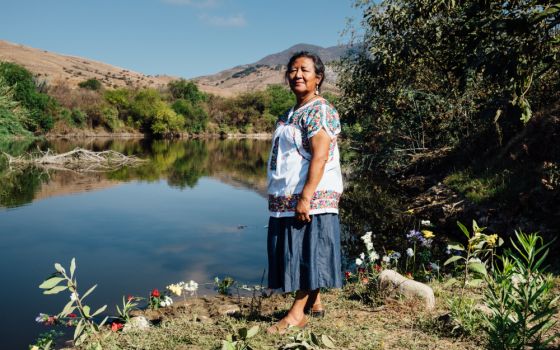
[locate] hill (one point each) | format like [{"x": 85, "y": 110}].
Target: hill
[
  {"x": 55, "y": 68},
  {"x": 268, "y": 70}
]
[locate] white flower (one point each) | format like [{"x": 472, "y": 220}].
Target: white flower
[
  {"x": 386, "y": 259},
  {"x": 369, "y": 246},
  {"x": 395, "y": 256},
  {"x": 359, "y": 262},
  {"x": 367, "y": 237},
  {"x": 410, "y": 252},
  {"x": 425, "y": 223},
  {"x": 434, "y": 266},
  {"x": 362, "y": 256},
  {"x": 163, "y": 304},
  {"x": 373, "y": 256},
  {"x": 191, "y": 287},
  {"x": 73, "y": 296}
]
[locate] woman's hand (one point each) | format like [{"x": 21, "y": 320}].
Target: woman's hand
[{"x": 302, "y": 210}]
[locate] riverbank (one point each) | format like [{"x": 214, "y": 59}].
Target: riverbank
[
  {"x": 102, "y": 133},
  {"x": 203, "y": 322}
]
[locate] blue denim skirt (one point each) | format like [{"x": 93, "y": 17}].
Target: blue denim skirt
[{"x": 304, "y": 256}]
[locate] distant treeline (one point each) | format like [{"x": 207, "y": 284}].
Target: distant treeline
[{"x": 30, "y": 106}]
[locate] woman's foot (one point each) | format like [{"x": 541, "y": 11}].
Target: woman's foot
[
  {"x": 282, "y": 326},
  {"x": 317, "y": 310}
]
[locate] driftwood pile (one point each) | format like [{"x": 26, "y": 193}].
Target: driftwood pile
[{"x": 78, "y": 160}]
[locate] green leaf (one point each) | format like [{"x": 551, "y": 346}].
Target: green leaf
[
  {"x": 89, "y": 291},
  {"x": 79, "y": 329},
  {"x": 456, "y": 247},
  {"x": 69, "y": 308},
  {"x": 51, "y": 282},
  {"x": 55, "y": 290},
  {"x": 72, "y": 267},
  {"x": 100, "y": 310},
  {"x": 477, "y": 267},
  {"x": 104, "y": 320},
  {"x": 253, "y": 331},
  {"x": 59, "y": 268},
  {"x": 464, "y": 229},
  {"x": 452, "y": 259},
  {"x": 86, "y": 311},
  {"x": 48, "y": 345},
  {"x": 328, "y": 341}
]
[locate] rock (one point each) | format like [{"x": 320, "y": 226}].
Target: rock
[
  {"x": 227, "y": 309},
  {"x": 136, "y": 323},
  {"x": 394, "y": 283}
]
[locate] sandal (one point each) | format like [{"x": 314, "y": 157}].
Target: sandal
[{"x": 283, "y": 326}]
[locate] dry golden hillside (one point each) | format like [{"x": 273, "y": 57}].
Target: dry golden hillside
[{"x": 70, "y": 70}]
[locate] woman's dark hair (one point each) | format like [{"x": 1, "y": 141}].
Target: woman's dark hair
[{"x": 319, "y": 66}]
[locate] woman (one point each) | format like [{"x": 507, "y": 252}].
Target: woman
[{"x": 304, "y": 187}]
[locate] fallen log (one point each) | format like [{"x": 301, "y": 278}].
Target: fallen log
[{"x": 78, "y": 160}]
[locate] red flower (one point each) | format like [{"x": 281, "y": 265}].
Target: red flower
[
  {"x": 50, "y": 321},
  {"x": 155, "y": 293},
  {"x": 365, "y": 280},
  {"x": 116, "y": 326},
  {"x": 409, "y": 276},
  {"x": 347, "y": 274},
  {"x": 72, "y": 315},
  {"x": 130, "y": 297},
  {"x": 361, "y": 270},
  {"x": 377, "y": 268}
]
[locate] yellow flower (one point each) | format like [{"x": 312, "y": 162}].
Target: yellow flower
[
  {"x": 410, "y": 211},
  {"x": 492, "y": 239},
  {"x": 175, "y": 289},
  {"x": 34, "y": 347},
  {"x": 428, "y": 234}
]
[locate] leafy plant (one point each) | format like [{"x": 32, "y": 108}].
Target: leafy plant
[
  {"x": 308, "y": 340},
  {"x": 45, "y": 340},
  {"x": 60, "y": 281},
  {"x": 224, "y": 286},
  {"x": 520, "y": 295},
  {"x": 471, "y": 259},
  {"x": 127, "y": 305},
  {"x": 241, "y": 340}
]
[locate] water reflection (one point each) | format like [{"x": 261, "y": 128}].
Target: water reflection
[{"x": 181, "y": 163}]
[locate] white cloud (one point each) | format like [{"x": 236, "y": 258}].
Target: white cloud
[
  {"x": 194, "y": 3},
  {"x": 220, "y": 21}
]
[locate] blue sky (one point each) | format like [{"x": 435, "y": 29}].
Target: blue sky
[{"x": 184, "y": 38}]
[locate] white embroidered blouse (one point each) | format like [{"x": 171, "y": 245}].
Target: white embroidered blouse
[{"x": 290, "y": 156}]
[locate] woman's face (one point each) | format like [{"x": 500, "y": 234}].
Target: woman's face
[{"x": 302, "y": 77}]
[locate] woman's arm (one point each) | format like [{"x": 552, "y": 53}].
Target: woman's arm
[{"x": 320, "y": 143}]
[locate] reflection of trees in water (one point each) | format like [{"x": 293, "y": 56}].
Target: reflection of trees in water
[{"x": 181, "y": 162}]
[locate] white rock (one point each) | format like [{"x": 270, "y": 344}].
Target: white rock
[
  {"x": 394, "y": 283},
  {"x": 136, "y": 323}
]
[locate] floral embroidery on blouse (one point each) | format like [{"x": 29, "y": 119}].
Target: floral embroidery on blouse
[
  {"x": 320, "y": 200},
  {"x": 274, "y": 157}
]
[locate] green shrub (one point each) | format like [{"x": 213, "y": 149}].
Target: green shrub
[
  {"x": 186, "y": 90},
  {"x": 13, "y": 116},
  {"x": 40, "y": 106},
  {"x": 195, "y": 116},
  {"x": 91, "y": 84},
  {"x": 521, "y": 297}
]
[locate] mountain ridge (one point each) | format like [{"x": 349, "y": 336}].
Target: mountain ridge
[{"x": 55, "y": 68}]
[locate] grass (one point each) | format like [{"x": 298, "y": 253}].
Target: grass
[
  {"x": 398, "y": 324},
  {"x": 477, "y": 188}
]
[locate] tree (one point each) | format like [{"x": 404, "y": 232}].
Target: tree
[{"x": 434, "y": 74}]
